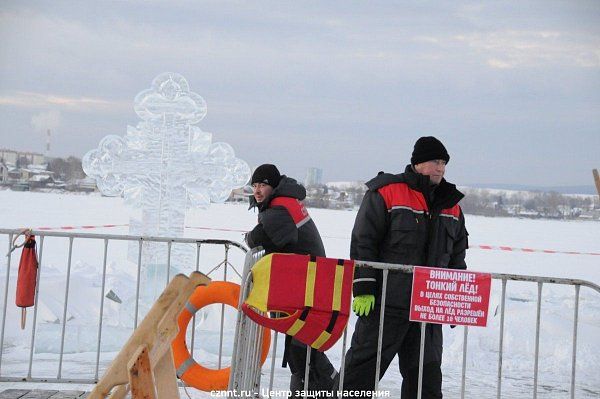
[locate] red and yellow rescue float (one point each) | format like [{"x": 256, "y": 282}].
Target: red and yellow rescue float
[{"x": 314, "y": 292}]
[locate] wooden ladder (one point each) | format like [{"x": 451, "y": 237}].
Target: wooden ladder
[{"x": 144, "y": 365}]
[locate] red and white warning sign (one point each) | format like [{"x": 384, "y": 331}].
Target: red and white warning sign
[{"x": 448, "y": 296}]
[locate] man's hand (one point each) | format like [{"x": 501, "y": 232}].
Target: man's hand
[{"x": 363, "y": 304}]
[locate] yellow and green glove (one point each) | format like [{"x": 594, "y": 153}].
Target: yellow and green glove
[{"x": 363, "y": 304}]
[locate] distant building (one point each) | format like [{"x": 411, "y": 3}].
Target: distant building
[
  {"x": 86, "y": 184},
  {"x": 40, "y": 181},
  {"x": 35, "y": 174},
  {"x": 240, "y": 194},
  {"x": 21, "y": 158},
  {"x": 314, "y": 177},
  {"x": 3, "y": 173}
]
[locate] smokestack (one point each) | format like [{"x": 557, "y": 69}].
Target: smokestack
[{"x": 48, "y": 143}]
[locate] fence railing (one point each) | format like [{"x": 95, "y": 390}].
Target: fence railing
[
  {"x": 246, "y": 368},
  {"x": 11, "y": 268},
  {"x": 245, "y": 361}
]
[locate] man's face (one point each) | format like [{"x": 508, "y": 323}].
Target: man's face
[
  {"x": 261, "y": 191},
  {"x": 435, "y": 169}
]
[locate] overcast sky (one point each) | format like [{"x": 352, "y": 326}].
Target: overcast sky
[{"x": 512, "y": 88}]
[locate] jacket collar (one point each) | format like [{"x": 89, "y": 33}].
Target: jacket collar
[
  {"x": 287, "y": 187},
  {"x": 446, "y": 194}
]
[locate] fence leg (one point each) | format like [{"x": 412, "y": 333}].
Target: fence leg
[
  {"x": 574, "y": 355},
  {"x": 464, "y": 364},
  {"x": 421, "y": 357}
]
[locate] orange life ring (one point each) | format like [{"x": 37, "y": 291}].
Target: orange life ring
[{"x": 188, "y": 370}]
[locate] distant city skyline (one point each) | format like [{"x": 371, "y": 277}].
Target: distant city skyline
[
  {"x": 313, "y": 176},
  {"x": 511, "y": 88}
]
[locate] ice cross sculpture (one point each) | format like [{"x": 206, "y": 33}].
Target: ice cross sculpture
[{"x": 165, "y": 164}]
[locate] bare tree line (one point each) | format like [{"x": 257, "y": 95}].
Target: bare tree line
[{"x": 478, "y": 202}]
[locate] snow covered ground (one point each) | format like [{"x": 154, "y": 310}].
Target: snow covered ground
[{"x": 37, "y": 210}]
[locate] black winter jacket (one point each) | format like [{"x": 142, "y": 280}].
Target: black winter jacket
[
  {"x": 284, "y": 224},
  {"x": 401, "y": 220}
]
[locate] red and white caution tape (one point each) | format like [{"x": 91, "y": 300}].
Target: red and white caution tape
[
  {"x": 80, "y": 227},
  {"x": 513, "y": 249}
]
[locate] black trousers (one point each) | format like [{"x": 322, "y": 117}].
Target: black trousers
[
  {"x": 321, "y": 371},
  {"x": 400, "y": 338}
]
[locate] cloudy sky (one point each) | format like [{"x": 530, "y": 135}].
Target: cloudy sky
[{"x": 512, "y": 88}]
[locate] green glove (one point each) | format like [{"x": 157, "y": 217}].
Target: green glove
[{"x": 363, "y": 304}]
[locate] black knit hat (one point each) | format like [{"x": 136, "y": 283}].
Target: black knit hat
[
  {"x": 428, "y": 148},
  {"x": 266, "y": 173}
]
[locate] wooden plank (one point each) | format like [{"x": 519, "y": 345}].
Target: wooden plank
[
  {"x": 117, "y": 373},
  {"x": 13, "y": 393},
  {"x": 144, "y": 334},
  {"x": 155, "y": 333},
  {"x": 141, "y": 380},
  {"x": 166, "y": 377},
  {"x": 119, "y": 392},
  {"x": 596, "y": 180},
  {"x": 167, "y": 326}
]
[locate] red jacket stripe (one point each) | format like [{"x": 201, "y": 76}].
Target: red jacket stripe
[
  {"x": 295, "y": 208},
  {"x": 399, "y": 195},
  {"x": 453, "y": 212}
]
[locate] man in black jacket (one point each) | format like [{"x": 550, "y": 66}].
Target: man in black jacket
[
  {"x": 285, "y": 226},
  {"x": 412, "y": 218}
]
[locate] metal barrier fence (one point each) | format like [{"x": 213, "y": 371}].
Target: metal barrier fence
[
  {"x": 246, "y": 367},
  {"x": 245, "y": 361},
  {"x": 73, "y": 238}
]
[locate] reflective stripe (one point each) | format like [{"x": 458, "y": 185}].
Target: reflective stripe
[
  {"x": 191, "y": 308},
  {"x": 405, "y": 207},
  {"x": 337, "y": 287},
  {"x": 293, "y": 330},
  {"x": 311, "y": 275},
  {"x": 358, "y": 280},
  {"x": 303, "y": 221},
  {"x": 419, "y": 212},
  {"x": 321, "y": 340},
  {"x": 185, "y": 366},
  {"x": 449, "y": 216}
]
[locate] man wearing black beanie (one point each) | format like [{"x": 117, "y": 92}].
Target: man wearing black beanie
[
  {"x": 285, "y": 226},
  {"x": 412, "y": 218}
]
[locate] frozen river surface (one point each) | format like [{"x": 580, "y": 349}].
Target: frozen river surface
[{"x": 228, "y": 221}]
